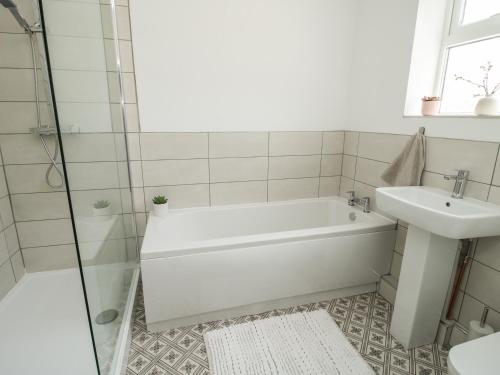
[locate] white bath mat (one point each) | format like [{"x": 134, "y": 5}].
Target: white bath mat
[{"x": 295, "y": 344}]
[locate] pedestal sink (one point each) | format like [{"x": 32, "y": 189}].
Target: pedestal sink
[{"x": 436, "y": 223}]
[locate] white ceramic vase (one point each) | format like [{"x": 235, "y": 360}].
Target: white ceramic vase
[
  {"x": 487, "y": 106},
  {"x": 160, "y": 210}
]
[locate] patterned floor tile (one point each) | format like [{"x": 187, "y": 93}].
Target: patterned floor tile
[{"x": 364, "y": 319}]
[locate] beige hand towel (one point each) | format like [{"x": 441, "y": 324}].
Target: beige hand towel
[{"x": 407, "y": 169}]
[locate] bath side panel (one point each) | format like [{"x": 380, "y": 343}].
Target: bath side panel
[{"x": 183, "y": 286}]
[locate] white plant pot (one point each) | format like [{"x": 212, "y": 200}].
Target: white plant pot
[
  {"x": 487, "y": 106},
  {"x": 160, "y": 210},
  {"x": 102, "y": 213}
]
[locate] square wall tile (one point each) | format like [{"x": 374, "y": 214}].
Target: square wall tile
[
  {"x": 4, "y": 250},
  {"x": 483, "y": 285},
  {"x": 24, "y": 149},
  {"x": 11, "y": 239},
  {"x": 329, "y": 186},
  {"x": 86, "y": 117},
  {"x": 45, "y": 233},
  {"x": 381, "y": 147},
  {"x": 40, "y": 206},
  {"x": 488, "y": 252},
  {"x": 158, "y": 146},
  {"x": 351, "y": 141},
  {"x": 446, "y": 155},
  {"x": 92, "y": 147},
  {"x": 369, "y": 172},
  {"x": 281, "y": 190},
  {"x": 49, "y": 258},
  {"x": 223, "y": 145},
  {"x": 333, "y": 143},
  {"x": 18, "y": 266},
  {"x": 175, "y": 172},
  {"x": 346, "y": 184},
  {"x": 73, "y": 18},
  {"x": 7, "y": 279},
  {"x": 331, "y": 165},
  {"x": 93, "y": 176},
  {"x": 17, "y": 85},
  {"x": 76, "y": 53},
  {"x": 295, "y": 143},
  {"x": 238, "y": 169},
  {"x": 17, "y": 117},
  {"x": 494, "y": 195},
  {"x": 294, "y": 166},
  {"x": 80, "y": 86},
  {"x": 238, "y": 192},
  {"x": 6, "y": 218},
  {"x": 83, "y": 202},
  {"x": 19, "y": 55},
  {"x": 496, "y": 175},
  {"x": 349, "y": 166},
  {"x": 472, "y": 309}
]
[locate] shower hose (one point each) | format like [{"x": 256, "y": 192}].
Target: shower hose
[{"x": 52, "y": 155}]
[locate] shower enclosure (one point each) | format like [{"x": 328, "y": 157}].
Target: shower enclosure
[{"x": 87, "y": 270}]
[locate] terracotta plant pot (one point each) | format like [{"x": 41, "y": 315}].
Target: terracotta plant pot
[{"x": 431, "y": 107}]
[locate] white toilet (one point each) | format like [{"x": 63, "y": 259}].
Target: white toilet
[{"x": 476, "y": 357}]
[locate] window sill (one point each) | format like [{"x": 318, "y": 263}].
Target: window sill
[{"x": 455, "y": 116}]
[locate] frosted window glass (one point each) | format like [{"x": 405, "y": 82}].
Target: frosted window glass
[
  {"x": 477, "y": 10},
  {"x": 465, "y": 60}
]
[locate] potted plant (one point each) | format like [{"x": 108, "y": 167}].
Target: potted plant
[
  {"x": 431, "y": 105},
  {"x": 487, "y": 105},
  {"x": 160, "y": 206},
  {"x": 102, "y": 208}
]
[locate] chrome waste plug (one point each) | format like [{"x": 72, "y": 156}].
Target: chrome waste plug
[{"x": 106, "y": 316}]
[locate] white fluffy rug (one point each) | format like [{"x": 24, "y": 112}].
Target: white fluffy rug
[{"x": 295, "y": 344}]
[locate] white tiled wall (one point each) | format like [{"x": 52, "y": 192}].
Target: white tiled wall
[{"x": 202, "y": 169}]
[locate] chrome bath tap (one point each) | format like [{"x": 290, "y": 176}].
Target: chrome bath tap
[
  {"x": 364, "y": 202},
  {"x": 460, "y": 182}
]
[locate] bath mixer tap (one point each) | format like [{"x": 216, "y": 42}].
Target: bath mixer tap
[
  {"x": 460, "y": 182},
  {"x": 364, "y": 202}
]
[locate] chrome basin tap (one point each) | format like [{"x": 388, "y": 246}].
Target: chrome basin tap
[
  {"x": 364, "y": 202},
  {"x": 460, "y": 182}
]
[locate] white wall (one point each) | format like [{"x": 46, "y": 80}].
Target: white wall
[
  {"x": 246, "y": 65},
  {"x": 381, "y": 65}
]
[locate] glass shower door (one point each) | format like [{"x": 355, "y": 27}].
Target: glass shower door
[{"x": 84, "y": 61}]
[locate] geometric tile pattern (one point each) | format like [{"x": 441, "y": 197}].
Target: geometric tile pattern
[{"x": 364, "y": 319}]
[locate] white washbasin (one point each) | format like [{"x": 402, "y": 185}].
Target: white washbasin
[{"x": 434, "y": 210}]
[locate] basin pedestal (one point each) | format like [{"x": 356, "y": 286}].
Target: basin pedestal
[{"x": 426, "y": 271}]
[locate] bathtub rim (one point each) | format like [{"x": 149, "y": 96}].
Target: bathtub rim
[{"x": 156, "y": 250}]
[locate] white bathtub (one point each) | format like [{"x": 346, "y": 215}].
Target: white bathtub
[{"x": 212, "y": 263}]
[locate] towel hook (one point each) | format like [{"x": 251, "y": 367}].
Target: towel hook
[{"x": 421, "y": 130}]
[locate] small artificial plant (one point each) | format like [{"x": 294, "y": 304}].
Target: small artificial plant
[
  {"x": 101, "y": 204},
  {"x": 431, "y": 99},
  {"x": 160, "y": 199},
  {"x": 484, "y": 85}
]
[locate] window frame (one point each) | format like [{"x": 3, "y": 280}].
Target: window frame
[{"x": 457, "y": 34}]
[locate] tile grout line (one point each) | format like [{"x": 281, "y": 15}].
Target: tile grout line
[
  {"x": 209, "y": 177},
  {"x": 268, "y": 164},
  {"x": 321, "y": 162}
]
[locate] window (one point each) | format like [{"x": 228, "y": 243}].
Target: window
[{"x": 470, "y": 44}]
